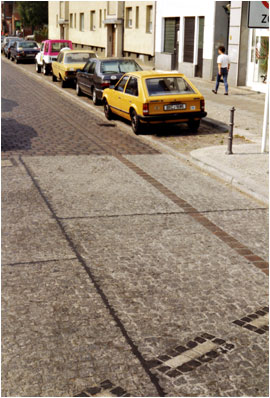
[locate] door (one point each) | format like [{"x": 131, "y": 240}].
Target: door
[
  {"x": 116, "y": 100},
  {"x": 113, "y": 41},
  {"x": 199, "y": 66},
  {"x": 131, "y": 95},
  {"x": 171, "y": 39},
  {"x": 89, "y": 82}
]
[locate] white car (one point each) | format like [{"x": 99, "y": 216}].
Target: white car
[{"x": 49, "y": 51}]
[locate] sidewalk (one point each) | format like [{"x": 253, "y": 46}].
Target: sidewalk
[{"x": 247, "y": 169}]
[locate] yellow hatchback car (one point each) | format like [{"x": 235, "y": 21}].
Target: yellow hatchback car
[
  {"x": 68, "y": 62},
  {"x": 155, "y": 97}
]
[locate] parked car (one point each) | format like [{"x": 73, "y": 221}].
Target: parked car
[
  {"x": 100, "y": 73},
  {"x": 67, "y": 64},
  {"x": 49, "y": 51},
  {"x": 155, "y": 97},
  {"x": 5, "y": 41},
  {"x": 23, "y": 50},
  {"x": 9, "y": 44}
]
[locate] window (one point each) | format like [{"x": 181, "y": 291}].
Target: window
[
  {"x": 114, "y": 66},
  {"x": 92, "y": 20},
  {"x": 137, "y": 17},
  {"x": 46, "y": 49},
  {"x": 168, "y": 86},
  {"x": 57, "y": 46},
  {"x": 189, "y": 39},
  {"x": 75, "y": 58},
  {"x": 105, "y": 13},
  {"x": 129, "y": 17},
  {"x": 120, "y": 86},
  {"x": 92, "y": 67},
  {"x": 169, "y": 35},
  {"x": 60, "y": 57},
  {"x": 132, "y": 87},
  {"x": 75, "y": 20},
  {"x": 100, "y": 18},
  {"x": 57, "y": 20},
  {"x": 71, "y": 20},
  {"x": 149, "y": 19},
  {"x": 86, "y": 67},
  {"x": 81, "y": 21},
  {"x": 42, "y": 47}
]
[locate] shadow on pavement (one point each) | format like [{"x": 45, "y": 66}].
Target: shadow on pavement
[
  {"x": 16, "y": 136},
  {"x": 7, "y": 105}
]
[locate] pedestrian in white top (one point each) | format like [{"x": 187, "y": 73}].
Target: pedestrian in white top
[{"x": 223, "y": 62}]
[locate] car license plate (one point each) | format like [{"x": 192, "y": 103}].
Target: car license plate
[
  {"x": 29, "y": 55},
  {"x": 174, "y": 107}
]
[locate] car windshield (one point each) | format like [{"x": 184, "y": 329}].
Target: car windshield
[
  {"x": 28, "y": 44},
  {"x": 122, "y": 66},
  {"x": 168, "y": 85},
  {"x": 72, "y": 58},
  {"x": 57, "y": 46}
]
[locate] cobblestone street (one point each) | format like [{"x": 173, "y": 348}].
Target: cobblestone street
[{"x": 125, "y": 271}]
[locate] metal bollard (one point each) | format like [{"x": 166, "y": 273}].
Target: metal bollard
[{"x": 230, "y": 137}]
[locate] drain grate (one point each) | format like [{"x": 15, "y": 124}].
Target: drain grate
[
  {"x": 186, "y": 358},
  {"x": 105, "y": 389},
  {"x": 256, "y": 322}
]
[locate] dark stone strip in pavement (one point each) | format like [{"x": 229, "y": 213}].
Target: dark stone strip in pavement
[
  {"x": 40, "y": 262},
  {"x": 233, "y": 243},
  {"x": 97, "y": 286}
]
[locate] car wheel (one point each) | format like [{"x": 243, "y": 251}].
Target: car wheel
[
  {"x": 38, "y": 68},
  {"x": 11, "y": 58},
  {"x": 54, "y": 78},
  {"x": 94, "y": 97},
  {"x": 194, "y": 125},
  {"x": 16, "y": 61},
  {"x": 44, "y": 69},
  {"x": 8, "y": 56},
  {"x": 78, "y": 90},
  {"x": 63, "y": 83},
  {"x": 135, "y": 122},
  {"x": 107, "y": 111}
]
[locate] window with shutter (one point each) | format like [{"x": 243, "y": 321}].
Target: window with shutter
[
  {"x": 169, "y": 35},
  {"x": 189, "y": 39}
]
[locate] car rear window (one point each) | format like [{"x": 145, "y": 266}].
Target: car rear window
[
  {"x": 169, "y": 85},
  {"x": 56, "y": 47},
  {"x": 122, "y": 66},
  {"x": 28, "y": 44},
  {"x": 78, "y": 57}
]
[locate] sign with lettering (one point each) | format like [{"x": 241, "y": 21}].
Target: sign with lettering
[{"x": 258, "y": 14}]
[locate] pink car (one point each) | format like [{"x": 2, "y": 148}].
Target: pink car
[{"x": 48, "y": 53}]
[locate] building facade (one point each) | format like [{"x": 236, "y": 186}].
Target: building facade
[
  {"x": 107, "y": 27},
  {"x": 188, "y": 35},
  {"x": 10, "y": 18},
  {"x": 170, "y": 35}
]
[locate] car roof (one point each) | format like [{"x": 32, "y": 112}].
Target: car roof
[
  {"x": 154, "y": 73},
  {"x": 116, "y": 59},
  {"x": 57, "y": 40},
  {"x": 78, "y": 51}
]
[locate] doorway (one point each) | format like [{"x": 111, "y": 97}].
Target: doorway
[
  {"x": 199, "y": 66},
  {"x": 171, "y": 39},
  {"x": 113, "y": 41}
]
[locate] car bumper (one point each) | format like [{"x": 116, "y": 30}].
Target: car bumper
[
  {"x": 173, "y": 116},
  {"x": 25, "y": 58}
]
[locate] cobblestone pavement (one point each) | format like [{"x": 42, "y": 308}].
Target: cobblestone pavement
[{"x": 124, "y": 271}]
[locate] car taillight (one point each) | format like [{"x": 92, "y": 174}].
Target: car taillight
[
  {"x": 202, "y": 105},
  {"x": 105, "y": 83},
  {"x": 145, "y": 109}
]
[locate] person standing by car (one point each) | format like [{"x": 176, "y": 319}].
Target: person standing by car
[{"x": 223, "y": 62}]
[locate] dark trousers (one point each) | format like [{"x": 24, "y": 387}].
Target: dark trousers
[{"x": 224, "y": 74}]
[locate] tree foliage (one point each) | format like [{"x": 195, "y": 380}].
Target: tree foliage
[{"x": 33, "y": 13}]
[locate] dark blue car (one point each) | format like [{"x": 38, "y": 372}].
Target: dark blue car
[{"x": 24, "y": 51}]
